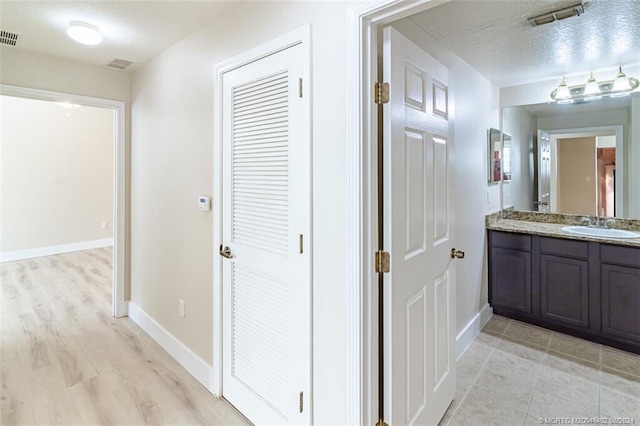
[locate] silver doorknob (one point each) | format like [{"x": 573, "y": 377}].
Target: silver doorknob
[
  {"x": 457, "y": 254},
  {"x": 226, "y": 252}
]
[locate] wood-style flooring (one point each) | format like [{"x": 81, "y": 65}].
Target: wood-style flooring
[{"x": 65, "y": 360}]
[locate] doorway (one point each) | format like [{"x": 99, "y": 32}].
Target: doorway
[{"x": 117, "y": 187}]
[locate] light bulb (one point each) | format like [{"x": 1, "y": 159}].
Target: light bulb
[
  {"x": 592, "y": 87},
  {"x": 621, "y": 83},
  {"x": 84, "y": 33},
  {"x": 562, "y": 92}
]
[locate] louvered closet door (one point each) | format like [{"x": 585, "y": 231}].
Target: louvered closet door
[{"x": 266, "y": 285}]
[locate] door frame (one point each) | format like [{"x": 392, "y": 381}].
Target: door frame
[
  {"x": 119, "y": 305},
  {"x": 364, "y": 20},
  {"x": 301, "y": 36}
]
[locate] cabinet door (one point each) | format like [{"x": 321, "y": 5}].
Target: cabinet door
[
  {"x": 564, "y": 290},
  {"x": 621, "y": 301},
  {"x": 511, "y": 279}
]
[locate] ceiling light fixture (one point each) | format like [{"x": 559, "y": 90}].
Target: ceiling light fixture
[
  {"x": 593, "y": 90},
  {"x": 84, "y": 33},
  {"x": 557, "y": 15}
]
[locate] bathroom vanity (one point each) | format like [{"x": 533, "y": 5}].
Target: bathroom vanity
[{"x": 584, "y": 286}]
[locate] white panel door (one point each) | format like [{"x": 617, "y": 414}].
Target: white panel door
[
  {"x": 544, "y": 172},
  {"x": 420, "y": 327},
  {"x": 266, "y": 275}
]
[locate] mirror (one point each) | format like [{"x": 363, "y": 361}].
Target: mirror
[
  {"x": 572, "y": 159},
  {"x": 499, "y": 156},
  {"x": 494, "y": 158}
]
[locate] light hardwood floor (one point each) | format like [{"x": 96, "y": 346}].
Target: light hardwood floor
[{"x": 65, "y": 360}]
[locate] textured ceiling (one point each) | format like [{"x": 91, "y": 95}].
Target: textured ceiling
[
  {"x": 132, "y": 30},
  {"x": 495, "y": 38}
]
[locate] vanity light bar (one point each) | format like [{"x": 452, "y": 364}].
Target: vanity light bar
[
  {"x": 564, "y": 94},
  {"x": 557, "y": 15}
]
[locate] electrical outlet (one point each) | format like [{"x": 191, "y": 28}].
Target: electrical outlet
[
  {"x": 181, "y": 308},
  {"x": 104, "y": 225}
]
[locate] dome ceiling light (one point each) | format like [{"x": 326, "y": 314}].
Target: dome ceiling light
[
  {"x": 592, "y": 90},
  {"x": 84, "y": 33}
]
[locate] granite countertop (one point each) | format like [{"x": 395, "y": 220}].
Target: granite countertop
[{"x": 552, "y": 230}]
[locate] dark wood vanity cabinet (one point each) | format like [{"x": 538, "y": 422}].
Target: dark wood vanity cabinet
[{"x": 587, "y": 289}]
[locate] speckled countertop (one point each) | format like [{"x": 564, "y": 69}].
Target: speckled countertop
[{"x": 510, "y": 221}]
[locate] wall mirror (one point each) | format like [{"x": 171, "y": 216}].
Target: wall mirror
[
  {"x": 499, "y": 165},
  {"x": 573, "y": 159},
  {"x": 494, "y": 155}
]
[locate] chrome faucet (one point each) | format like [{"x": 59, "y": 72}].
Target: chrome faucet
[{"x": 599, "y": 223}]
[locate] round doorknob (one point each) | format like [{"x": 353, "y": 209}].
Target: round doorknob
[{"x": 457, "y": 254}]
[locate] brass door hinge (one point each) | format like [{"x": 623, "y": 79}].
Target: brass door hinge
[
  {"x": 301, "y": 402},
  {"x": 381, "y": 95},
  {"x": 383, "y": 261}
]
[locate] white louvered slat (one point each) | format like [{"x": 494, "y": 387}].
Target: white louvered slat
[
  {"x": 259, "y": 306},
  {"x": 260, "y": 169}
]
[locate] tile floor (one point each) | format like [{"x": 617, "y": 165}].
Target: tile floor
[{"x": 517, "y": 374}]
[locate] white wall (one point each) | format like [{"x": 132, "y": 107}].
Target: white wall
[
  {"x": 172, "y": 163},
  {"x": 521, "y": 125},
  {"x": 474, "y": 111},
  {"x": 56, "y": 174}
]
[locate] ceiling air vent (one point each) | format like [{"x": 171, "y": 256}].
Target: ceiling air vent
[
  {"x": 119, "y": 64},
  {"x": 8, "y": 38}
]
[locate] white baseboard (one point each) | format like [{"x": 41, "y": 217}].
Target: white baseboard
[
  {"x": 190, "y": 361},
  {"x": 11, "y": 256},
  {"x": 466, "y": 336}
]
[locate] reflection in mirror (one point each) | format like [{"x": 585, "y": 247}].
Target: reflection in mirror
[
  {"x": 495, "y": 155},
  {"x": 573, "y": 159}
]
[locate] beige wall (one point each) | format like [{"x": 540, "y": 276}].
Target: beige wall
[
  {"x": 172, "y": 163},
  {"x": 56, "y": 174},
  {"x": 577, "y": 176}
]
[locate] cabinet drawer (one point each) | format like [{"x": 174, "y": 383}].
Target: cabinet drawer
[
  {"x": 628, "y": 256},
  {"x": 567, "y": 248},
  {"x": 510, "y": 240}
]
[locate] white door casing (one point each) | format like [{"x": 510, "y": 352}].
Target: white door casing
[
  {"x": 418, "y": 228},
  {"x": 266, "y": 285}
]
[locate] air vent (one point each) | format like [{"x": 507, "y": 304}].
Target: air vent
[
  {"x": 8, "y": 38},
  {"x": 119, "y": 64}
]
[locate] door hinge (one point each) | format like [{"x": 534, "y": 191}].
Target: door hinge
[
  {"x": 299, "y": 87},
  {"x": 301, "y": 243},
  {"x": 381, "y": 93},
  {"x": 383, "y": 261},
  {"x": 301, "y": 402}
]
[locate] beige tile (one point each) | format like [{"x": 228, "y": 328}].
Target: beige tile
[
  {"x": 620, "y": 382},
  {"x": 486, "y": 416},
  {"x": 546, "y": 405},
  {"x": 616, "y": 404},
  {"x": 501, "y": 389},
  {"x": 567, "y": 386},
  {"x": 522, "y": 349},
  {"x": 573, "y": 346},
  {"x": 533, "y": 421},
  {"x": 574, "y": 366},
  {"x": 622, "y": 361},
  {"x": 528, "y": 333},
  {"x": 496, "y": 326},
  {"x": 513, "y": 367}
]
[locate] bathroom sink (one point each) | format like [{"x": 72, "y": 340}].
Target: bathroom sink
[{"x": 600, "y": 232}]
